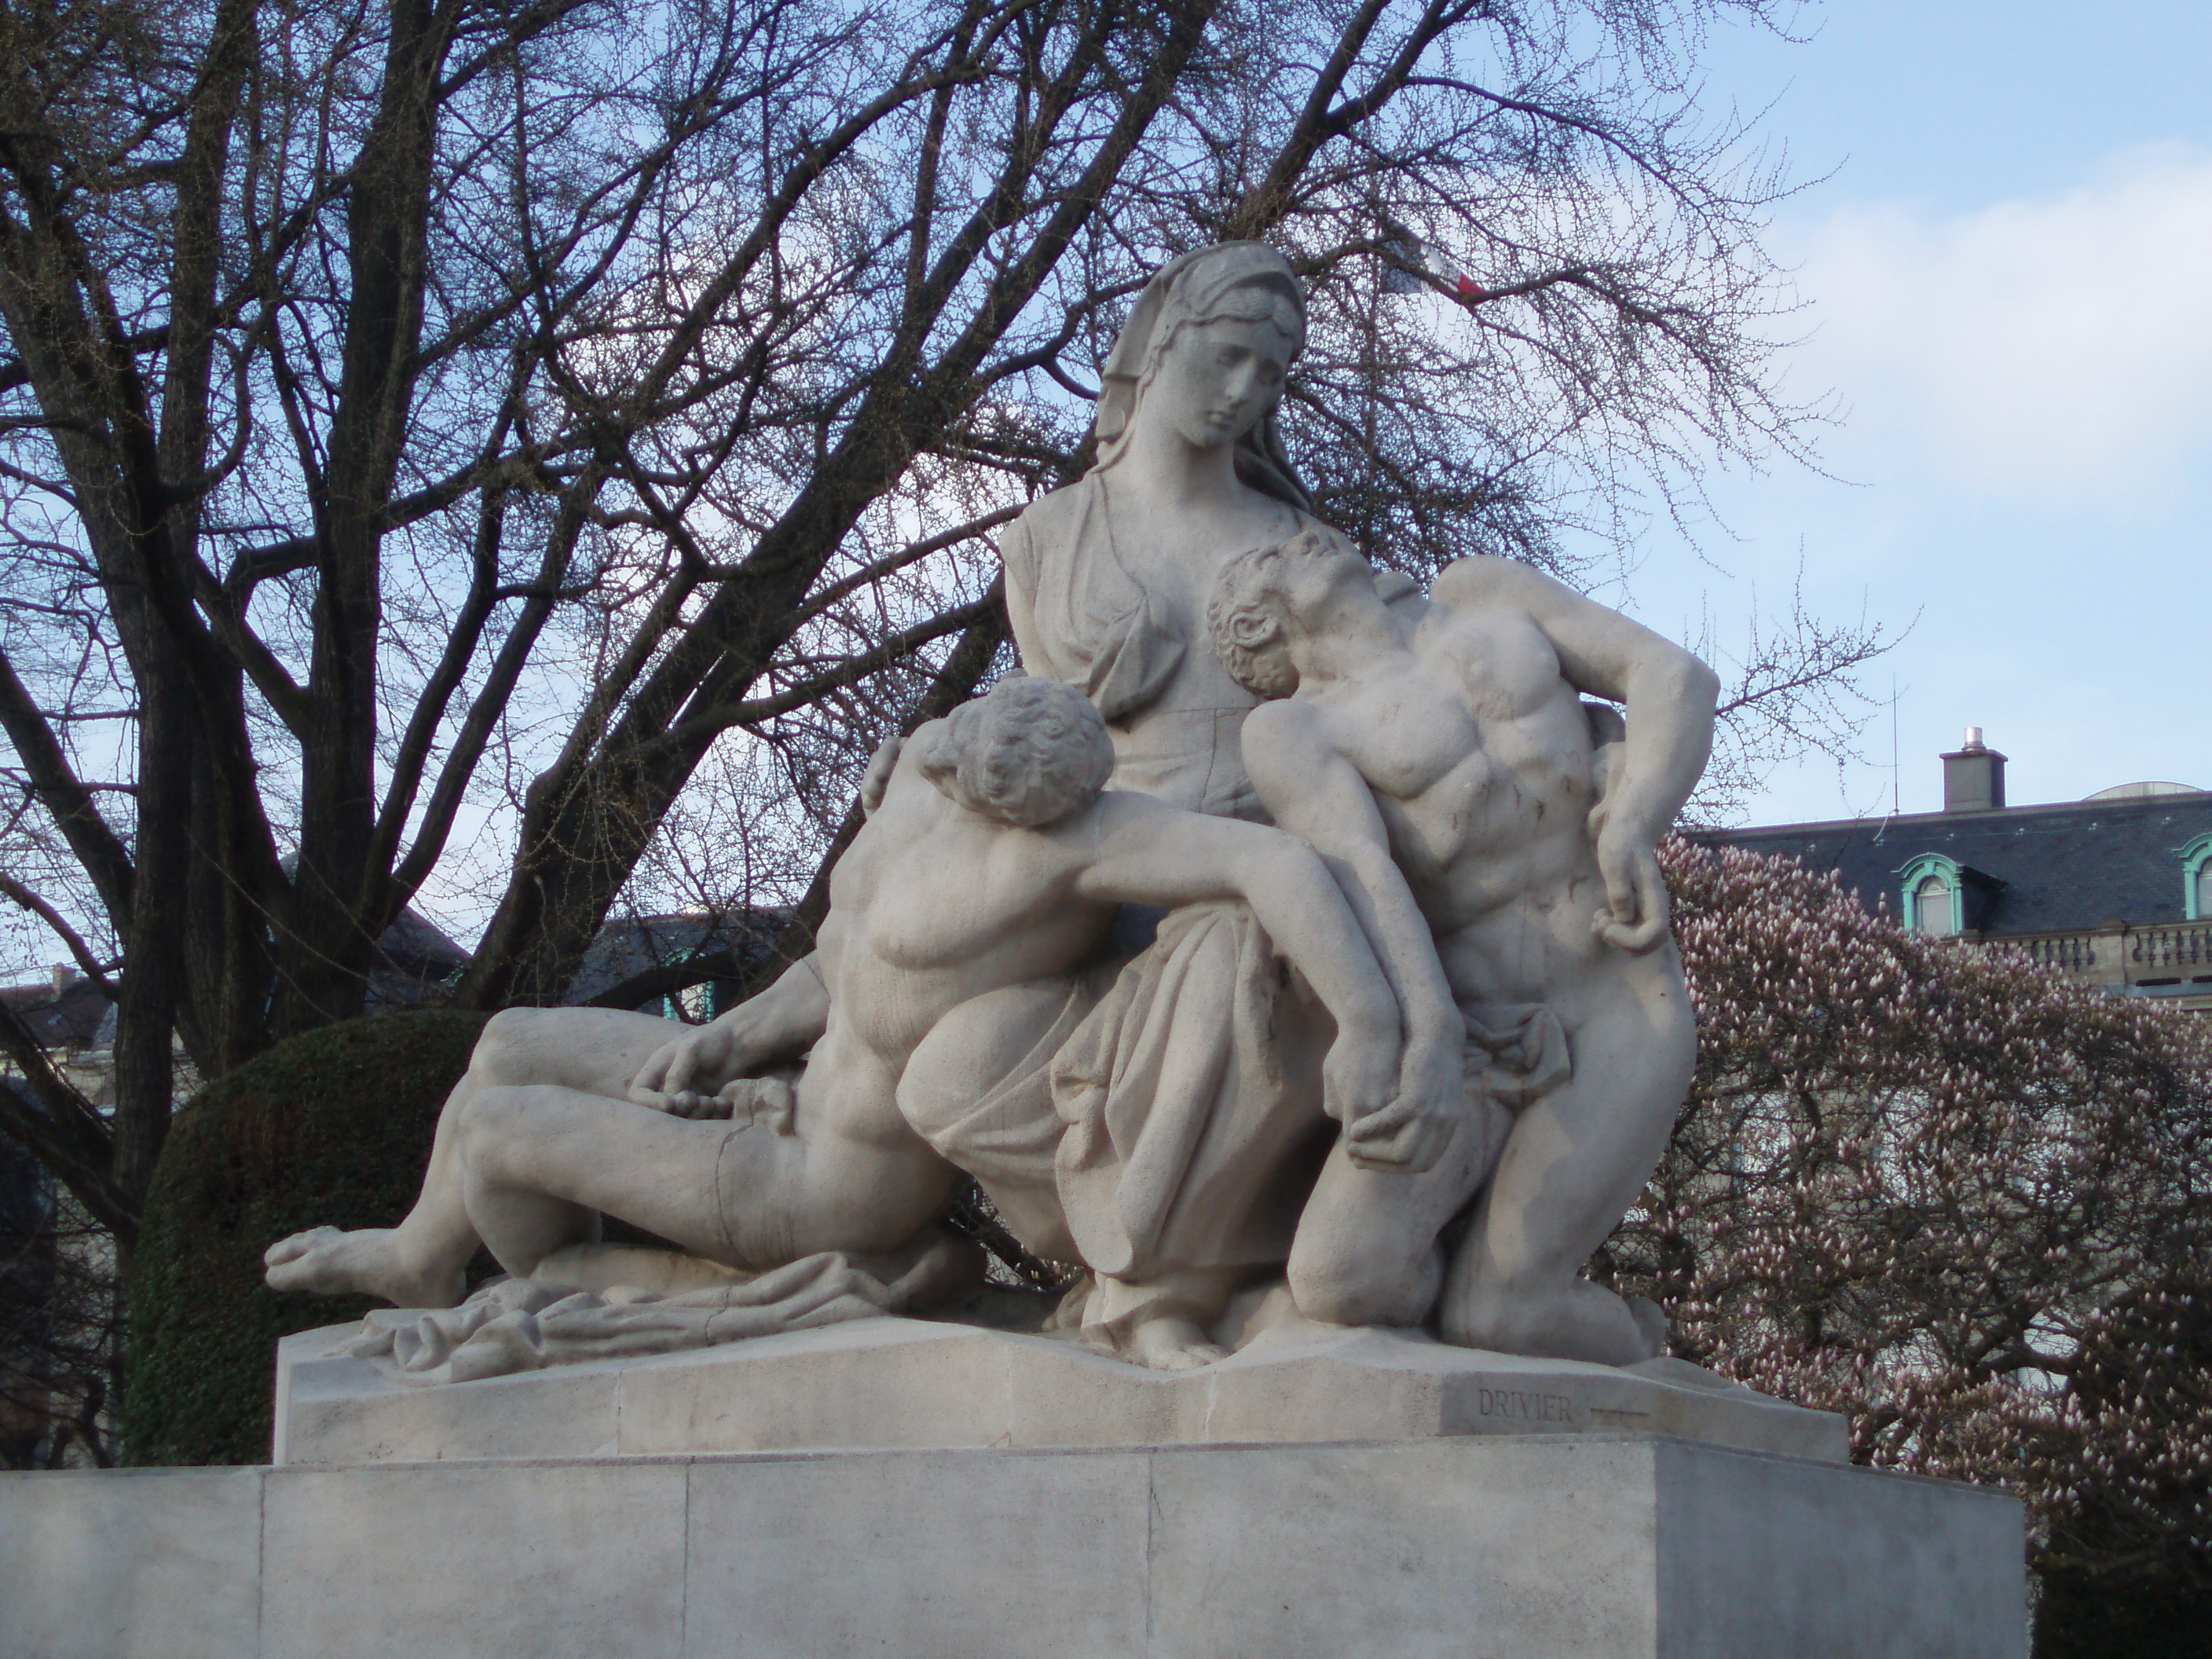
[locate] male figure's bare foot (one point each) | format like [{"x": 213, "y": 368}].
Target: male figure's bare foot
[
  {"x": 1170, "y": 1342},
  {"x": 369, "y": 1262}
]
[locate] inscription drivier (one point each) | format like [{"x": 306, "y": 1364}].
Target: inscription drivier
[{"x": 1524, "y": 1407}]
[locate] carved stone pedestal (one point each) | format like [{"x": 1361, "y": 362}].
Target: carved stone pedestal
[
  {"x": 884, "y": 1383},
  {"x": 1401, "y": 1521}
]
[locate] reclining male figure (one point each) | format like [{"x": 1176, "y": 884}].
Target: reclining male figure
[
  {"x": 1439, "y": 753},
  {"x": 989, "y": 872}
]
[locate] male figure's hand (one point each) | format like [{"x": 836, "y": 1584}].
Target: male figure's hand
[
  {"x": 1409, "y": 1134},
  {"x": 1637, "y": 912},
  {"x": 1359, "y": 1074},
  {"x": 685, "y": 1076}
]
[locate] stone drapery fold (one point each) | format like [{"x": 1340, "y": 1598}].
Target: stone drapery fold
[
  {"x": 521, "y": 1324},
  {"x": 1184, "y": 1104},
  {"x": 1100, "y": 630}
]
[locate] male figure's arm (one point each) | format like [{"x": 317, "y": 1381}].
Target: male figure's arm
[
  {"x": 1669, "y": 695},
  {"x": 1312, "y": 791},
  {"x": 1149, "y": 853},
  {"x": 684, "y": 1074}
]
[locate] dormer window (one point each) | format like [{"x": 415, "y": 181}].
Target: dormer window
[
  {"x": 1932, "y": 907},
  {"x": 1933, "y": 899},
  {"x": 2197, "y": 879}
]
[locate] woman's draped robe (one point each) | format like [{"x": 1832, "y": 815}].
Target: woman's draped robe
[{"x": 1185, "y": 1117}]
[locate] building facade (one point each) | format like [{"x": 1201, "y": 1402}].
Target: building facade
[{"x": 2115, "y": 890}]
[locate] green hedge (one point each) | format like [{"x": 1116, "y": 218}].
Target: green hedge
[{"x": 333, "y": 1127}]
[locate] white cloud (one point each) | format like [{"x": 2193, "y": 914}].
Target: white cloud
[{"x": 2060, "y": 345}]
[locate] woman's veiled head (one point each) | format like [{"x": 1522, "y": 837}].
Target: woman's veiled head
[{"x": 1204, "y": 352}]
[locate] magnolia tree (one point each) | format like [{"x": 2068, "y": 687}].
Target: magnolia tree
[{"x": 1955, "y": 1197}]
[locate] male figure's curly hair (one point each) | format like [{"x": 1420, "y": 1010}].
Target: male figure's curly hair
[
  {"x": 1029, "y": 752},
  {"x": 1244, "y": 618}
]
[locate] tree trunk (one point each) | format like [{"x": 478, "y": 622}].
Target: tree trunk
[{"x": 325, "y": 953}]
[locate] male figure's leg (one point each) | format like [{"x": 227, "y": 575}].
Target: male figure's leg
[
  {"x": 1574, "y": 1162},
  {"x": 1368, "y": 1249},
  {"x": 419, "y": 1263},
  {"x": 539, "y": 1164}
]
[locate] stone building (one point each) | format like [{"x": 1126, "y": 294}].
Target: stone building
[
  {"x": 72, "y": 1019},
  {"x": 689, "y": 964},
  {"x": 2115, "y": 889}
]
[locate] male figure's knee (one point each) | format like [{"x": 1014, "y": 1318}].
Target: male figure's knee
[
  {"x": 502, "y": 1053},
  {"x": 490, "y": 1118},
  {"x": 1341, "y": 1287}
]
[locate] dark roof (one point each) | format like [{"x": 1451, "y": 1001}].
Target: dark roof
[
  {"x": 629, "y": 947},
  {"x": 415, "y": 962},
  {"x": 2076, "y": 864},
  {"x": 70, "y": 1018},
  {"x": 415, "y": 944}
]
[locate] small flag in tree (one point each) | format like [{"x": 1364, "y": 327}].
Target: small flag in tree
[{"x": 1409, "y": 259}]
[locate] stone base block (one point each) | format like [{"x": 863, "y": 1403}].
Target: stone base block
[
  {"x": 1591, "y": 1546},
  {"x": 884, "y": 1383}
]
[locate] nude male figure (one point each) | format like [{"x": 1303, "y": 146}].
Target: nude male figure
[
  {"x": 1439, "y": 752},
  {"x": 989, "y": 870}
]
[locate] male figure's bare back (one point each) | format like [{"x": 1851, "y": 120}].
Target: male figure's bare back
[{"x": 1442, "y": 751}]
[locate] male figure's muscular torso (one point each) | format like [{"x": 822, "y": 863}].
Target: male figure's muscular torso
[
  {"x": 1480, "y": 756},
  {"x": 933, "y": 908},
  {"x": 897, "y": 958},
  {"x": 1442, "y": 755}
]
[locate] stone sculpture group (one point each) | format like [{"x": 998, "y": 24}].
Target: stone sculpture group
[{"x": 1278, "y": 924}]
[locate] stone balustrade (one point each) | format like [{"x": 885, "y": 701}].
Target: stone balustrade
[{"x": 2173, "y": 958}]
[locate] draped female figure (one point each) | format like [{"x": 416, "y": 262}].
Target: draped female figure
[{"x": 1188, "y": 1094}]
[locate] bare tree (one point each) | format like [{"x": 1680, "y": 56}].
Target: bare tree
[{"x": 435, "y": 436}]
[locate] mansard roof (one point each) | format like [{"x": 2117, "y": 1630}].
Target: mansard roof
[
  {"x": 2071, "y": 865},
  {"x": 626, "y": 947}
]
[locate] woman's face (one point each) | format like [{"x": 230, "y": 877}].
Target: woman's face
[{"x": 1216, "y": 380}]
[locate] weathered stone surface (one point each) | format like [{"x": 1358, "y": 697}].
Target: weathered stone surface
[
  {"x": 951, "y": 1554},
  {"x": 1531, "y": 1546},
  {"x": 1759, "y": 1556},
  {"x": 882, "y": 1384},
  {"x": 133, "y": 1563},
  {"x": 474, "y": 1561}
]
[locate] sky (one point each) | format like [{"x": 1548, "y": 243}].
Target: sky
[{"x": 2007, "y": 271}]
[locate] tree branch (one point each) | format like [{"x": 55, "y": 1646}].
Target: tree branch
[
  {"x": 99, "y": 850},
  {"x": 63, "y": 1130},
  {"x": 94, "y": 970},
  {"x": 694, "y": 729}
]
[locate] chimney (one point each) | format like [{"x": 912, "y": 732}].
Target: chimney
[
  {"x": 65, "y": 977},
  {"x": 1974, "y": 776}
]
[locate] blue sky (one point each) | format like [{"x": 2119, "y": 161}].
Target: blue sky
[{"x": 2008, "y": 281}]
